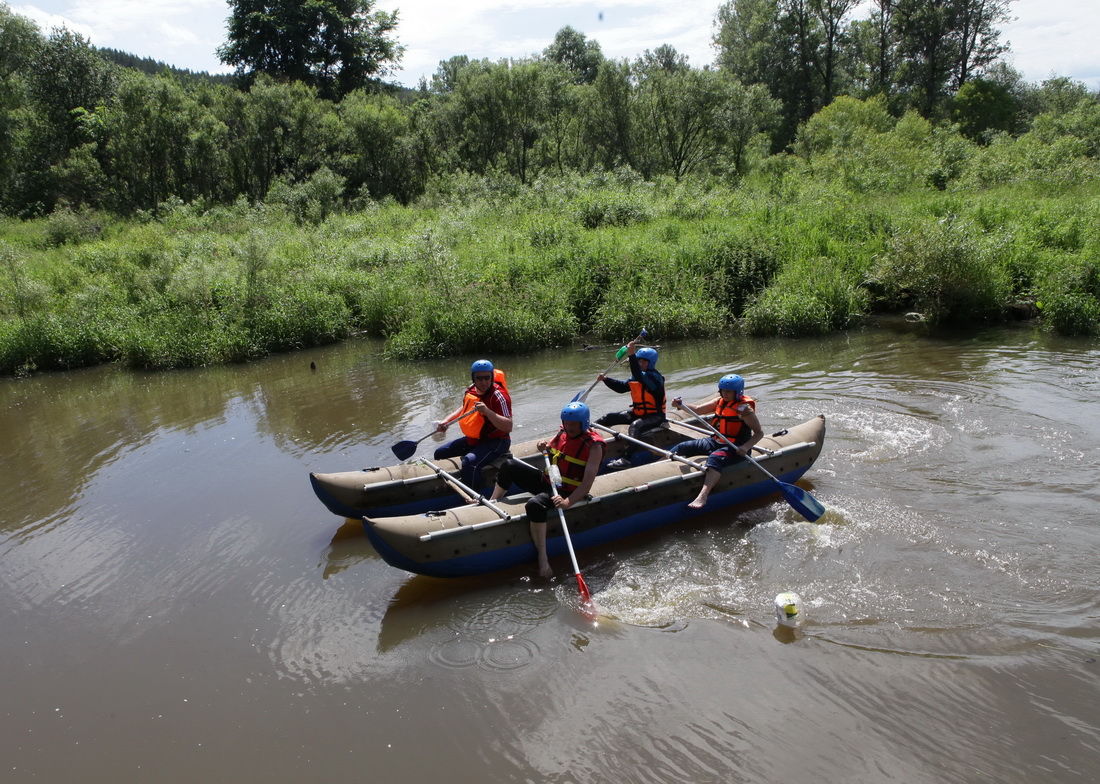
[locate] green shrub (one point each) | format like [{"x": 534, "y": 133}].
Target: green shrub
[
  {"x": 742, "y": 267},
  {"x": 945, "y": 270},
  {"x": 1071, "y": 312},
  {"x": 610, "y": 209},
  {"x": 814, "y": 297},
  {"x": 1069, "y": 295},
  {"x": 312, "y": 200},
  {"x": 65, "y": 227},
  {"x": 20, "y": 294}
]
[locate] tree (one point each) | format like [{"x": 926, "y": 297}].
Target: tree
[
  {"x": 609, "y": 117},
  {"x": 792, "y": 47},
  {"x": 67, "y": 74},
  {"x": 374, "y": 130},
  {"x": 978, "y": 37},
  {"x": 943, "y": 44},
  {"x": 65, "y": 78},
  {"x": 445, "y": 77},
  {"x": 981, "y": 106},
  {"x": 334, "y": 45},
  {"x": 20, "y": 40},
  {"x": 499, "y": 112},
  {"x": 831, "y": 15},
  {"x": 1057, "y": 96},
  {"x": 573, "y": 50},
  {"x": 278, "y": 130},
  {"x": 677, "y": 113},
  {"x": 743, "y": 113},
  {"x": 875, "y": 50},
  {"x": 161, "y": 141}
]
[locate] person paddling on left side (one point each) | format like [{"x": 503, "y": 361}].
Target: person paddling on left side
[
  {"x": 576, "y": 450},
  {"x": 647, "y": 411},
  {"x": 486, "y": 432}
]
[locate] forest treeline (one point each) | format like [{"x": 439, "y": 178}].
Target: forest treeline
[
  {"x": 77, "y": 130},
  {"x": 167, "y": 220}
]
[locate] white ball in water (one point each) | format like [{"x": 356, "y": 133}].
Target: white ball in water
[{"x": 788, "y": 609}]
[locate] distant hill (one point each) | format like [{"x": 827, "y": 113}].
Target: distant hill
[{"x": 153, "y": 67}]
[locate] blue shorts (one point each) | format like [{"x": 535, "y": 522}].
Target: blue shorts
[
  {"x": 474, "y": 456},
  {"x": 720, "y": 454}
]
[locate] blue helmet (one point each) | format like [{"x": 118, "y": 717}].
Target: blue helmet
[
  {"x": 576, "y": 412},
  {"x": 732, "y": 382},
  {"x": 481, "y": 366},
  {"x": 647, "y": 353}
]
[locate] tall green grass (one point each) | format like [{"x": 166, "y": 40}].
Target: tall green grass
[{"x": 484, "y": 264}]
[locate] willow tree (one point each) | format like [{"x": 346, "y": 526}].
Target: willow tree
[{"x": 334, "y": 45}]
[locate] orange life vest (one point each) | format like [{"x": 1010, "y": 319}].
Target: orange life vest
[
  {"x": 727, "y": 419},
  {"x": 570, "y": 455},
  {"x": 643, "y": 399},
  {"x": 476, "y": 426}
]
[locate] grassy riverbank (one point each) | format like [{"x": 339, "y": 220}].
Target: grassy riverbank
[{"x": 485, "y": 265}]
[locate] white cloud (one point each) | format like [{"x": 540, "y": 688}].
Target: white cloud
[
  {"x": 497, "y": 29},
  {"x": 1048, "y": 37},
  {"x": 1055, "y": 38},
  {"x": 178, "y": 32}
]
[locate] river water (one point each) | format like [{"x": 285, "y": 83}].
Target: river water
[{"x": 177, "y": 606}]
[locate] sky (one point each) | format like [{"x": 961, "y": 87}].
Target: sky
[{"x": 1048, "y": 37}]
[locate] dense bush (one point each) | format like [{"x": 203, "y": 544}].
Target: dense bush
[
  {"x": 946, "y": 270},
  {"x": 477, "y": 272},
  {"x": 1069, "y": 295},
  {"x": 814, "y": 297}
]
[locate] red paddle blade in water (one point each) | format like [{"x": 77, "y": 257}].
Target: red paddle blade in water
[{"x": 587, "y": 605}]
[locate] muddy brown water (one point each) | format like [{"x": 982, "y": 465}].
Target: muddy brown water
[{"x": 176, "y": 605}]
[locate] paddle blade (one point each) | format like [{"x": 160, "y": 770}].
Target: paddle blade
[
  {"x": 405, "y": 449},
  {"x": 802, "y": 502},
  {"x": 578, "y": 398},
  {"x": 586, "y": 597}
]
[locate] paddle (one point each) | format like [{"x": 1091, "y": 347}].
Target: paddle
[
  {"x": 406, "y": 449},
  {"x": 801, "y": 501},
  {"x": 555, "y": 479},
  {"x": 580, "y": 397},
  {"x": 650, "y": 447}
]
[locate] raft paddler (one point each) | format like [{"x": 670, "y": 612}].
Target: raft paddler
[
  {"x": 577, "y": 451},
  {"x": 487, "y": 431},
  {"x": 647, "y": 393},
  {"x": 735, "y": 418}
]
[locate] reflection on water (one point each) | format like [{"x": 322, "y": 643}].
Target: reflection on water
[
  {"x": 349, "y": 547},
  {"x": 173, "y": 595}
]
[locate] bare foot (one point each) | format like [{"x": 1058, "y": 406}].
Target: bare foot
[
  {"x": 545, "y": 570},
  {"x": 699, "y": 502}
]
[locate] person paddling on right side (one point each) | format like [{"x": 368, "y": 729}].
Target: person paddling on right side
[{"x": 735, "y": 418}]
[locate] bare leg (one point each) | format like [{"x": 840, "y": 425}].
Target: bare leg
[
  {"x": 498, "y": 493},
  {"x": 709, "y": 481},
  {"x": 538, "y": 535}
]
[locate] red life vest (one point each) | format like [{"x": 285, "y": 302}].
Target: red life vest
[
  {"x": 570, "y": 455},
  {"x": 644, "y": 401},
  {"x": 727, "y": 419},
  {"x": 476, "y": 426}
]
